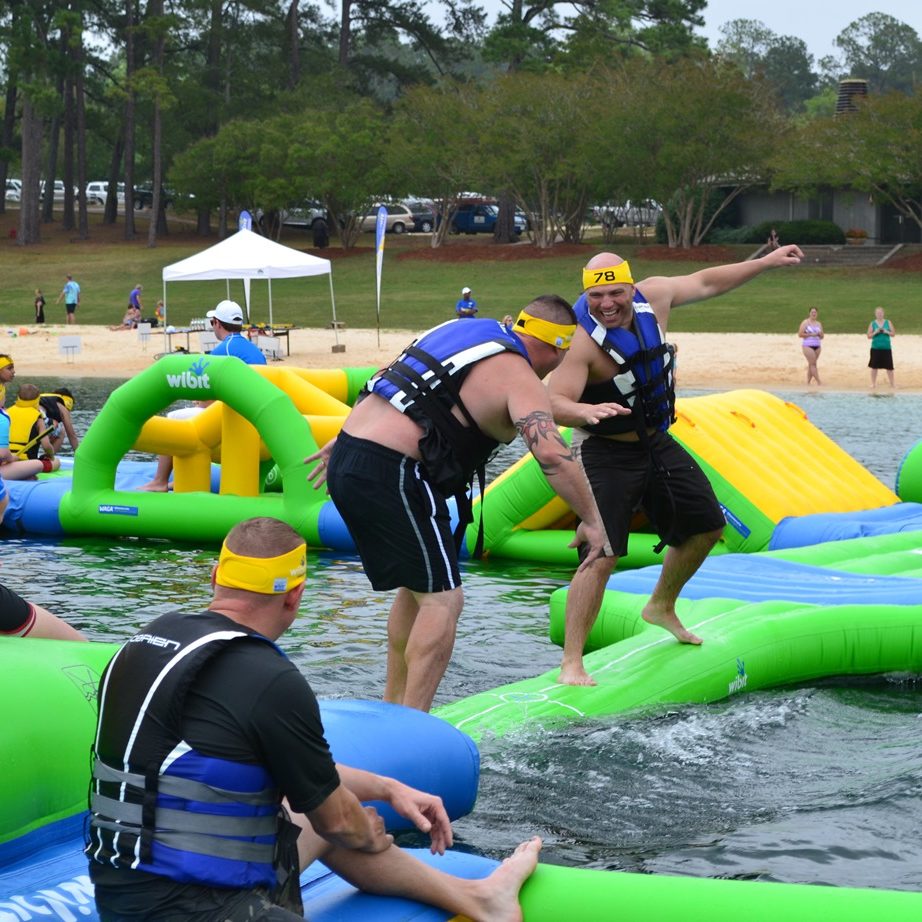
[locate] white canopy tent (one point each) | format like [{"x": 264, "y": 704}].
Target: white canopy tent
[{"x": 247, "y": 255}]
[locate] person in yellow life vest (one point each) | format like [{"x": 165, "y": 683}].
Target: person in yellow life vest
[
  {"x": 26, "y": 433},
  {"x": 7, "y": 373}
]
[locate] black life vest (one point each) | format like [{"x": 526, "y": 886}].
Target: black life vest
[{"x": 158, "y": 805}]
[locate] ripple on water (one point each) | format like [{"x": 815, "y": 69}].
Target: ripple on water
[{"x": 794, "y": 785}]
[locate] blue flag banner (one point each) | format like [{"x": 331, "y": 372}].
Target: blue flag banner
[
  {"x": 245, "y": 221},
  {"x": 380, "y": 228}
]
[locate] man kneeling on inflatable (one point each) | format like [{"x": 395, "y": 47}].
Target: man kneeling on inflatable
[{"x": 197, "y": 775}]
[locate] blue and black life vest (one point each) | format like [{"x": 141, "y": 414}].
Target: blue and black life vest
[
  {"x": 424, "y": 382},
  {"x": 158, "y": 805},
  {"x": 646, "y": 378}
]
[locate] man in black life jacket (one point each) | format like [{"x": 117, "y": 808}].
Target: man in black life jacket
[
  {"x": 620, "y": 360},
  {"x": 204, "y": 727},
  {"x": 427, "y": 422}
]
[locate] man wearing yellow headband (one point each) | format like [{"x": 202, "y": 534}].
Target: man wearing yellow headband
[
  {"x": 428, "y": 422},
  {"x": 204, "y": 727},
  {"x": 617, "y": 387}
]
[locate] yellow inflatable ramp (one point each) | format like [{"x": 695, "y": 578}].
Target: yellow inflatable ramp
[
  {"x": 759, "y": 452},
  {"x": 766, "y": 460}
]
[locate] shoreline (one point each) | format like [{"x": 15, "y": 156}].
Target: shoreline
[{"x": 712, "y": 361}]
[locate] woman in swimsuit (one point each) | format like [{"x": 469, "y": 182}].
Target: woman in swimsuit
[{"x": 811, "y": 335}]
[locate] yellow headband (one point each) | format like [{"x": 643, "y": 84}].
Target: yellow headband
[
  {"x": 62, "y": 398},
  {"x": 266, "y": 575},
  {"x": 5, "y": 361},
  {"x": 610, "y": 275},
  {"x": 554, "y": 334}
]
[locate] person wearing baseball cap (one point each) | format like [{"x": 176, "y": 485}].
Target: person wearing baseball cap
[
  {"x": 227, "y": 322},
  {"x": 467, "y": 306}
]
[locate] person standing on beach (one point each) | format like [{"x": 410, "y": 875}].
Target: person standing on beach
[
  {"x": 134, "y": 302},
  {"x": 71, "y": 296},
  {"x": 881, "y": 333},
  {"x": 467, "y": 306},
  {"x": 619, "y": 360},
  {"x": 424, "y": 426},
  {"x": 811, "y": 335},
  {"x": 39, "y": 306}
]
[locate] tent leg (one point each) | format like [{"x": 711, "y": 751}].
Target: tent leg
[{"x": 338, "y": 347}]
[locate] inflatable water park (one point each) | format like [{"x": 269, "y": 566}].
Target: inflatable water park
[{"x": 802, "y": 586}]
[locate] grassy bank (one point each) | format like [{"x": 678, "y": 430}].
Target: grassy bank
[{"x": 420, "y": 286}]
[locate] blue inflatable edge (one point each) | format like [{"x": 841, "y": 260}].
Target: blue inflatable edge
[{"x": 754, "y": 578}]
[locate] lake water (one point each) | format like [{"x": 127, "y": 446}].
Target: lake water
[{"x": 812, "y": 784}]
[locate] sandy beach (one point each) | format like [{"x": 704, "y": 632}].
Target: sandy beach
[{"x": 722, "y": 361}]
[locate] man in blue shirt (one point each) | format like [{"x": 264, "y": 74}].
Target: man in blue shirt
[
  {"x": 134, "y": 300},
  {"x": 71, "y": 295},
  {"x": 227, "y": 323},
  {"x": 467, "y": 306}
]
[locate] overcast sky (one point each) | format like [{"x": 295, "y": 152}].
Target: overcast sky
[{"x": 817, "y": 22}]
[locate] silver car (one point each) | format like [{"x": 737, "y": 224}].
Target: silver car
[{"x": 399, "y": 219}]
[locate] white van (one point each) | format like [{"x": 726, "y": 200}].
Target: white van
[
  {"x": 97, "y": 191},
  {"x": 13, "y": 190}
]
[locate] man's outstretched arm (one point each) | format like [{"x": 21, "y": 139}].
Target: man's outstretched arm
[{"x": 668, "y": 292}]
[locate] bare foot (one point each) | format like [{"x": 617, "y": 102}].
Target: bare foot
[
  {"x": 670, "y": 622},
  {"x": 574, "y": 674},
  {"x": 155, "y": 486},
  {"x": 500, "y": 897}
]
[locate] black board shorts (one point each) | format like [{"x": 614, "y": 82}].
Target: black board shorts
[
  {"x": 663, "y": 480},
  {"x": 17, "y": 616},
  {"x": 399, "y": 521},
  {"x": 211, "y": 904}
]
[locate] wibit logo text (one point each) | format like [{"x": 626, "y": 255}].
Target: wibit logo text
[
  {"x": 194, "y": 378},
  {"x": 739, "y": 683}
]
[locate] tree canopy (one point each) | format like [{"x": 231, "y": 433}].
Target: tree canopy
[{"x": 553, "y": 106}]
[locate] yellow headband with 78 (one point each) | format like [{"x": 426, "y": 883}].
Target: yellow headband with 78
[
  {"x": 557, "y": 335},
  {"x": 5, "y": 361},
  {"x": 266, "y": 575},
  {"x": 608, "y": 275}
]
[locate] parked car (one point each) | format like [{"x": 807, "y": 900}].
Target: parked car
[
  {"x": 423, "y": 216},
  {"x": 58, "y": 190},
  {"x": 97, "y": 191},
  {"x": 13, "y": 190},
  {"x": 628, "y": 213},
  {"x": 144, "y": 197},
  {"x": 399, "y": 218},
  {"x": 481, "y": 218},
  {"x": 305, "y": 214}
]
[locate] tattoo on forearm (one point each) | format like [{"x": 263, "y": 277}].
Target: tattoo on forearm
[{"x": 540, "y": 426}]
